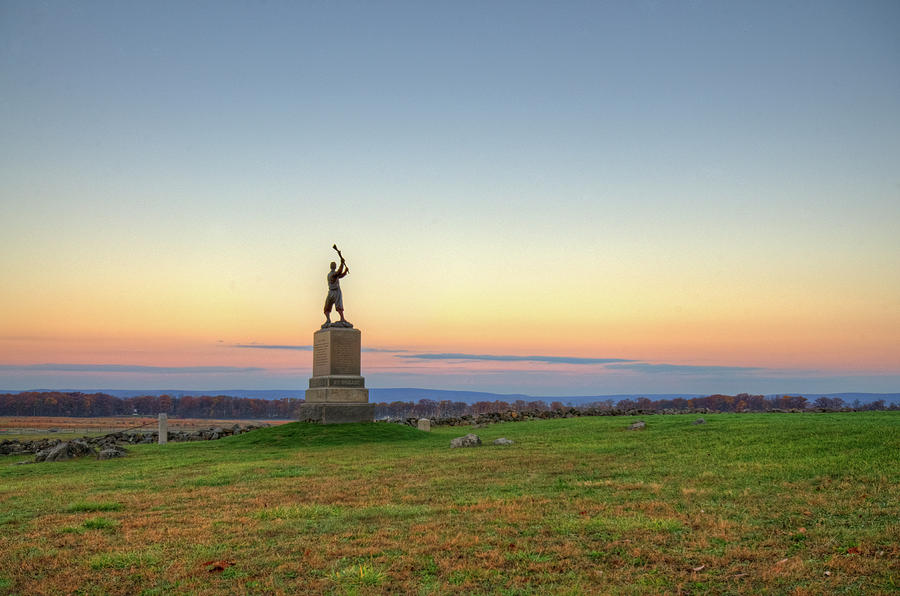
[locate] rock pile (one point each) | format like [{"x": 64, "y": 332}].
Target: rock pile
[
  {"x": 113, "y": 440},
  {"x": 65, "y": 450},
  {"x": 77, "y": 448}
]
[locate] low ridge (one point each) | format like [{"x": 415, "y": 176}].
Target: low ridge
[{"x": 306, "y": 434}]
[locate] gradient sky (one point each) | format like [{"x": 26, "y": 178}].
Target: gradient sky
[{"x": 546, "y": 198}]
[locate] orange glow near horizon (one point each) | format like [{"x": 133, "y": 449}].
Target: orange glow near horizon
[{"x": 179, "y": 304}]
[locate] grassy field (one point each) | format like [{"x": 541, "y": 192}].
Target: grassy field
[{"x": 768, "y": 503}]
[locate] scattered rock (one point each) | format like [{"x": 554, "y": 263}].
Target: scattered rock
[
  {"x": 699, "y": 421},
  {"x": 111, "y": 452},
  {"x": 503, "y": 441},
  {"x": 637, "y": 425},
  {"x": 470, "y": 440}
]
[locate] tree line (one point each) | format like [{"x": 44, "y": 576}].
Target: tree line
[
  {"x": 75, "y": 404},
  {"x": 743, "y": 402},
  {"x": 56, "y": 403}
]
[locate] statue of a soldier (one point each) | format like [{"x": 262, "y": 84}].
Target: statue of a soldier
[{"x": 334, "y": 298}]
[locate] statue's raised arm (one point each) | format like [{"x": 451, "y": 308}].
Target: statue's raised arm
[{"x": 343, "y": 262}]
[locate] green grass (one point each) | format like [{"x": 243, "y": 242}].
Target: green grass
[
  {"x": 742, "y": 504},
  {"x": 99, "y": 523},
  {"x": 316, "y": 435},
  {"x": 124, "y": 560},
  {"x": 90, "y": 506},
  {"x": 95, "y": 523},
  {"x": 361, "y": 574}
]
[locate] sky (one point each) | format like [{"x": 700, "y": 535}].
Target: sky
[{"x": 577, "y": 198}]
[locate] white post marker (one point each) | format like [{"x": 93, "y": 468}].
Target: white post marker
[{"x": 163, "y": 429}]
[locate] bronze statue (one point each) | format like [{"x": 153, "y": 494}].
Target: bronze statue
[{"x": 334, "y": 297}]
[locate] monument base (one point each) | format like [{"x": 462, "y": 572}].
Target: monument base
[
  {"x": 337, "y": 393},
  {"x": 341, "y": 395},
  {"x": 336, "y": 413}
]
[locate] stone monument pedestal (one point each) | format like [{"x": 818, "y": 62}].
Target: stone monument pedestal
[{"x": 337, "y": 392}]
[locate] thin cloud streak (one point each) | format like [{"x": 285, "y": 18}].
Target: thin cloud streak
[
  {"x": 685, "y": 369},
  {"x": 309, "y": 348},
  {"x": 273, "y": 347},
  {"x": 385, "y": 350},
  {"x": 508, "y": 358},
  {"x": 130, "y": 368},
  {"x": 609, "y": 364}
]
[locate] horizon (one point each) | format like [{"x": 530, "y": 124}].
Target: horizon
[
  {"x": 419, "y": 393},
  {"x": 612, "y": 199}
]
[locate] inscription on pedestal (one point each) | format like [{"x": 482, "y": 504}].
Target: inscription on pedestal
[
  {"x": 336, "y": 382},
  {"x": 342, "y": 352},
  {"x": 320, "y": 352},
  {"x": 345, "y": 350},
  {"x": 336, "y": 352}
]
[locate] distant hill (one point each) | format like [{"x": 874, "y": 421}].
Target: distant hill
[
  {"x": 376, "y": 395},
  {"x": 864, "y": 398},
  {"x": 410, "y": 394}
]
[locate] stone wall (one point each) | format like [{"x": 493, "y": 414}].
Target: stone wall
[
  {"x": 127, "y": 437},
  {"x": 518, "y": 416}
]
